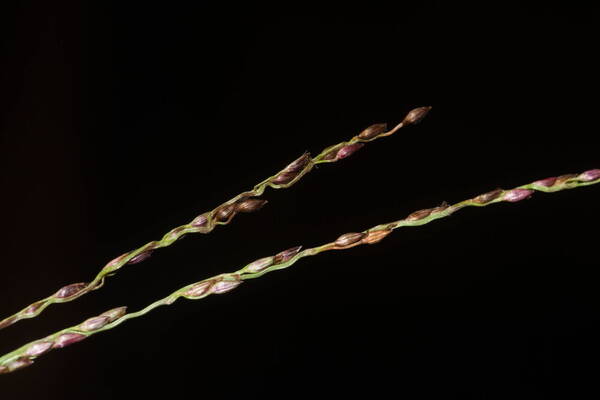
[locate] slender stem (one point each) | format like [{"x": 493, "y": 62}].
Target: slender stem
[
  {"x": 221, "y": 215},
  {"x": 223, "y": 283}
]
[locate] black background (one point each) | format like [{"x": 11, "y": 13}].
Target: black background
[{"x": 120, "y": 122}]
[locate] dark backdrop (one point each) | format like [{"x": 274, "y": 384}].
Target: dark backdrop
[{"x": 120, "y": 122}]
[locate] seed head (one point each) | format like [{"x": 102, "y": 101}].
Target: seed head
[
  {"x": 489, "y": 196},
  {"x": 284, "y": 178},
  {"x": 259, "y": 265},
  {"x": 38, "y": 348},
  {"x": 349, "y": 238},
  {"x": 199, "y": 289},
  {"x": 517, "y": 195},
  {"x": 114, "y": 314},
  {"x": 250, "y": 205},
  {"x": 94, "y": 323},
  {"x": 19, "y": 363},
  {"x": 563, "y": 178},
  {"x": 116, "y": 261},
  {"x": 546, "y": 182},
  {"x": 417, "y": 215},
  {"x": 375, "y": 236},
  {"x": 332, "y": 153},
  {"x": 200, "y": 220},
  {"x": 299, "y": 163},
  {"x": 225, "y": 286},
  {"x": 590, "y": 175},
  {"x": 294, "y": 169},
  {"x": 226, "y": 212},
  {"x": 68, "y": 338},
  {"x": 8, "y": 322},
  {"x": 286, "y": 255},
  {"x": 140, "y": 257},
  {"x": 70, "y": 290},
  {"x": 341, "y": 151},
  {"x": 415, "y": 116},
  {"x": 348, "y": 150},
  {"x": 373, "y": 131},
  {"x": 34, "y": 307}
]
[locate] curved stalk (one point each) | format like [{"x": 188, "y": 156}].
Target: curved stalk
[
  {"x": 25, "y": 355},
  {"x": 223, "y": 214}
]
